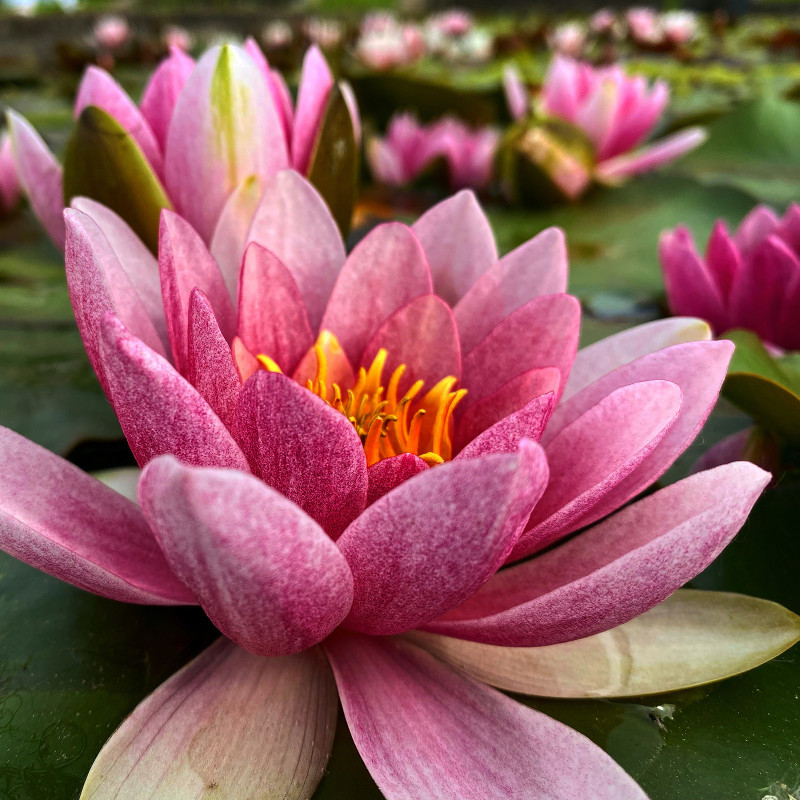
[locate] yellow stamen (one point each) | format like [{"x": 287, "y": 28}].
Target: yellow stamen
[{"x": 269, "y": 364}]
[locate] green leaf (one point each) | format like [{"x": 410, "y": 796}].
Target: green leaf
[
  {"x": 333, "y": 168},
  {"x": 102, "y": 161},
  {"x": 759, "y": 385}
]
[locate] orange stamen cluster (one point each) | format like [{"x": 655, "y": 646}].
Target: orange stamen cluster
[{"x": 388, "y": 422}]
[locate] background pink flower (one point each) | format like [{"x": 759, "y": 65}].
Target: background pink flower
[{"x": 10, "y": 189}]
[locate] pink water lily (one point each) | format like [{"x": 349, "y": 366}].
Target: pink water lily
[
  {"x": 409, "y": 148},
  {"x": 339, "y": 448},
  {"x": 615, "y": 111},
  {"x": 748, "y": 279},
  {"x": 212, "y": 132},
  {"x": 10, "y": 189}
]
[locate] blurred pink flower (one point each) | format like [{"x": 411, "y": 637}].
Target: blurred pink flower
[
  {"x": 10, "y": 189},
  {"x": 341, "y": 448},
  {"x": 644, "y": 25},
  {"x": 679, "y": 27},
  {"x": 750, "y": 279},
  {"x": 177, "y": 38},
  {"x": 453, "y": 22},
  {"x": 326, "y": 33},
  {"x": 111, "y": 32},
  {"x": 210, "y": 149},
  {"x": 603, "y": 21},
  {"x": 277, "y": 34},
  {"x": 409, "y": 148},
  {"x": 385, "y": 43},
  {"x": 568, "y": 39}
]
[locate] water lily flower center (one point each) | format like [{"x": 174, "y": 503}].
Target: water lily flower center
[{"x": 388, "y": 421}]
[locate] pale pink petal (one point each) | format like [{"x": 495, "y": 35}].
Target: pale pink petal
[
  {"x": 596, "y": 117},
  {"x": 386, "y": 271},
  {"x": 427, "y": 731},
  {"x": 541, "y": 333},
  {"x": 458, "y": 240},
  {"x": 316, "y": 83},
  {"x": 536, "y": 268},
  {"x": 423, "y": 336},
  {"x": 517, "y": 98},
  {"x": 272, "y": 316},
  {"x": 278, "y": 90},
  {"x": 300, "y": 446},
  {"x": 389, "y": 473},
  {"x": 561, "y": 91},
  {"x": 651, "y": 157},
  {"x": 593, "y": 455},
  {"x": 98, "y": 88},
  {"x": 597, "y": 359},
  {"x": 225, "y": 128},
  {"x": 40, "y": 175},
  {"x": 616, "y": 570},
  {"x": 265, "y": 573},
  {"x": 755, "y": 227},
  {"x": 159, "y": 411},
  {"x": 230, "y": 234},
  {"x": 162, "y": 90},
  {"x": 312, "y": 250},
  {"x": 426, "y": 546},
  {"x": 352, "y": 106},
  {"x": 60, "y": 520},
  {"x": 211, "y": 368},
  {"x": 249, "y": 727},
  {"x": 185, "y": 264},
  {"x": 385, "y": 163}
]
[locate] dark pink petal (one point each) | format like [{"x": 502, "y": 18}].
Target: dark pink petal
[
  {"x": 789, "y": 227},
  {"x": 224, "y": 129},
  {"x": 691, "y": 289},
  {"x": 230, "y": 234},
  {"x": 312, "y": 251},
  {"x": 185, "y": 264},
  {"x": 316, "y": 83},
  {"x": 386, "y": 271},
  {"x": 602, "y": 357},
  {"x": 428, "y": 545},
  {"x": 265, "y": 573},
  {"x": 508, "y": 399},
  {"x": 40, "y": 175},
  {"x": 98, "y": 285},
  {"x": 459, "y": 243},
  {"x": 159, "y": 411},
  {"x": 616, "y": 570},
  {"x": 536, "y": 268},
  {"x": 272, "y": 316},
  {"x": 60, "y": 520},
  {"x": 592, "y": 457},
  {"x": 98, "y": 88},
  {"x": 211, "y": 368},
  {"x": 162, "y": 90},
  {"x": 300, "y": 446},
  {"x": 247, "y": 726},
  {"x": 389, "y": 473},
  {"x": 761, "y": 222},
  {"x": 504, "y": 436},
  {"x": 541, "y": 333},
  {"x": 722, "y": 259},
  {"x": 423, "y": 336},
  {"x": 427, "y": 731}
]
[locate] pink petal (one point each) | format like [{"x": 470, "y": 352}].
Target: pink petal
[
  {"x": 458, "y": 240},
  {"x": 425, "y": 730},
  {"x": 10, "y": 187},
  {"x": 158, "y": 410},
  {"x": 602, "y": 357},
  {"x": 423, "y": 336},
  {"x": 60, "y": 520},
  {"x": 789, "y": 227},
  {"x": 385, "y": 163},
  {"x": 225, "y": 128},
  {"x": 99, "y": 285},
  {"x": 230, "y": 234},
  {"x": 691, "y": 290},
  {"x": 389, "y": 473},
  {"x": 536, "y": 268},
  {"x": 517, "y": 99},
  {"x": 386, "y": 271},
  {"x": 265, "y": 573},
  {"x": 430, "y": 543},
  {"x": 40, "y": 176},
  {"x": 98, "y": 88},
  {"x": 162, "y": 90},
  {"x": 316, "y": 83},
  {"x": 593, "y": 456},
  {"x": 300, "y": 446},
  {"x": 313, "y": 252},
  {"x": 541, "y": 333},
  {"x": 652, "y": 156},
  {"x": 272, "y": 317},
  {"x": 211, "y": 368},
  {"x": 249, "y": 727},
  {"x": 723, "y": 260},
  {"x": 560, "y": 91},
  {"x": 616, "y": 570},
  {"x": 761, "y": 222},
  {"x": 184, "y": 264},
  {"x": 596, "y": 117},
  {"x": 352, "y": 106},
  {"x": 277, "y": 88}
]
